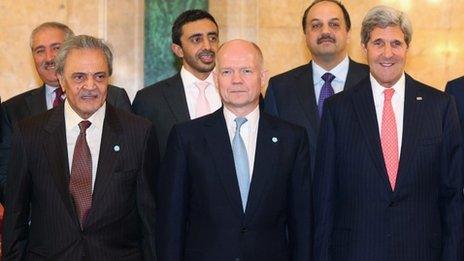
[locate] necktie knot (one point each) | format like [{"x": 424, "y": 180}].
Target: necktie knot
[
  {"x": 328, "y": 77},
  {"x": 83, "y": 126},
  {"x": 239, "y": 121},
  {"x": 201, "y": 86},
  {"x": 388, "y": 93},
  {"x": 58, "y": 97}
]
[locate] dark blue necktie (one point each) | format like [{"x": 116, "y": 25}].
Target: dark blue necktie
[{"x": 326, "y": 91}]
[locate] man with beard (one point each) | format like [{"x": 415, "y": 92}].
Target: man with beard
[
  {"x": 298, "y": 95},
  {"x": 191, "y": 93},
  {"x": 45, "y": 42}
]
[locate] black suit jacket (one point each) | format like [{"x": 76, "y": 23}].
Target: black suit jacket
[
  {"x": 31, "y": 103},
  {"x": 200, "y": 214},
  {"x": 163, "y": 103},
  {"x": 120, "y": 223},
  {"x": 290, "y": 96},
  {"x": 456, "y": 89},
  {"x": 357, "y": 215}
]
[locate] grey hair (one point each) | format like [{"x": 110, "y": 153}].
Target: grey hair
[
  {"x": 383, "y": 17},
  {"x": 68, "y": 33},
  {"x": 83, "y": 42}
]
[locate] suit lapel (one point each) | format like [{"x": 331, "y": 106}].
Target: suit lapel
[
  {"x": 57, "y": 155},
  {"x": 411, "y": 126},
  {"x": 355, "y": 75},
  {"x": 107, "y": 159},
  {"x": 218, "y": 142},
  {"x": 265, "y": 158},
  {"x": 36, "y": 101},
  {"x": 175, "y": 97},
  {"x": 307, "y": 98},
  {"x": 363, "y": 103}
]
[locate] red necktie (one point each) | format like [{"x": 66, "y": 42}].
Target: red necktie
[
  {"x": 58, "y": 99},
  {"x": 80, "y": 184},
  {"x": 389, "y": 138}
]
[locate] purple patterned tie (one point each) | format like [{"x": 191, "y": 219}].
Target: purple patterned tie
[
  {"x": 80, "y": 183},
  {"x": 326, "y": 91},
  {"x": 58, "y": 97}
]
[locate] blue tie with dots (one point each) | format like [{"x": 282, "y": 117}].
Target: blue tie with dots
[
  {"x": 326, "y": 91},
  {"x": 241, "y": 162}
]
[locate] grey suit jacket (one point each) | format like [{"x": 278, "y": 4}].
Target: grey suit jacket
[
  {"x": 120, "y": 223},
  {"x": 32, "y": 103},
  {"x": 164, "y": 104}
]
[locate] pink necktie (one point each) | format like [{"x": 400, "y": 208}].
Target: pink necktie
[
  {"x": 202, "y": 103},
  {"x": 389, "y": 138}
]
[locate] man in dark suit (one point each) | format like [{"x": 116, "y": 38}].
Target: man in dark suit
[
  {"x": 235, "y": 185},
  {"x": 295, "y": 95},
  {"x": 456, "y": 89},
  {"x": 81, "y": 179},
  {"x": 180, "y": 98},
  {"x": 45, "y": 42},
  {"x": 388, "y": 178}
]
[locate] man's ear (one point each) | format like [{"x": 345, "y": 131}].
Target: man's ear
[{"x": 177, "y": 50}]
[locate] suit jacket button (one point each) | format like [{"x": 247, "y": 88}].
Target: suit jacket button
[
  {"x": 243, "y": 230},
  {"x": 391, "y": 204}
]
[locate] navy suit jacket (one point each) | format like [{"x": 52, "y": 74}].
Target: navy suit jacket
[
  {"x": 121, "y": 221},
  {"x": 200, "y": 214},
  {"x": 357, "y": 215},
  {"x": 290, "y": 96},
  {"x": 456, "y": 89}
]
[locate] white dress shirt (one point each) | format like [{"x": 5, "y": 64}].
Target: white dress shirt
[
  {"x": 248, "y": 131},
  {"x": 191, "y": 92},
  {"x": 340, "y": 72},
  {"x": 93, "y": 134},
  {"x": 397, "y": 104},
  {"x": 50, "y": 95}
]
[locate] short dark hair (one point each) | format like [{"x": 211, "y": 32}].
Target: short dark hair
[
  {"x": 346, "y": 16},
  {"x": 188, "y": 17}
]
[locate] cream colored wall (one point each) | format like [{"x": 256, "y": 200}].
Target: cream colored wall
[
  {"x": 435, "y": 55},
  {"x": 120, "y": 22}
]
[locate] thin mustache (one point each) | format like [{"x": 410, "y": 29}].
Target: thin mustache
[{"x": 206, "y": 52}]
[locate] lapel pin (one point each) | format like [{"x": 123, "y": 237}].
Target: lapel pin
[
  {"x": 274, "y": 139},
  {"x": 116, "y": 148},
  {"x": 419, "y": 98}
]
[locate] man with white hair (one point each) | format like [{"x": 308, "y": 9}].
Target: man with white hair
[{"x": 388, "y": 180}]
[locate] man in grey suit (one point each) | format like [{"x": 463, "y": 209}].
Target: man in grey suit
[
  {"x": 191, "y": 93},
  {"x": 298, "y": 95},
  {"x": 83, "y": 172},
  {"x": 45, "y": 42}
]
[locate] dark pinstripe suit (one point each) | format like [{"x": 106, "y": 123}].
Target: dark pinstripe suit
[
  {"x": 120, "y": 224},
  {"x": 357, "y": 215}
]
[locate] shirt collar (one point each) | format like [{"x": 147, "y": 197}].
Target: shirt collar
[
  {"x": 189, "y": 80},
  {"x": 340, "y": 71},
  {"x": 252, "y": 117},
  {"x": 49, "y": 89},
  {"x": 378, "y": 89},
  {"x": 72, "y": 119}
]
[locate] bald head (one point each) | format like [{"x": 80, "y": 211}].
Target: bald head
[
  {"x": 240, "y": 76},
  {"x": 239, "y": 46}
]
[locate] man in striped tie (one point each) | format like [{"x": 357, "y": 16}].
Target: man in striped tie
[
  {"x": 388, "y": 178},
  {"x": 235, "y": 185}
]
